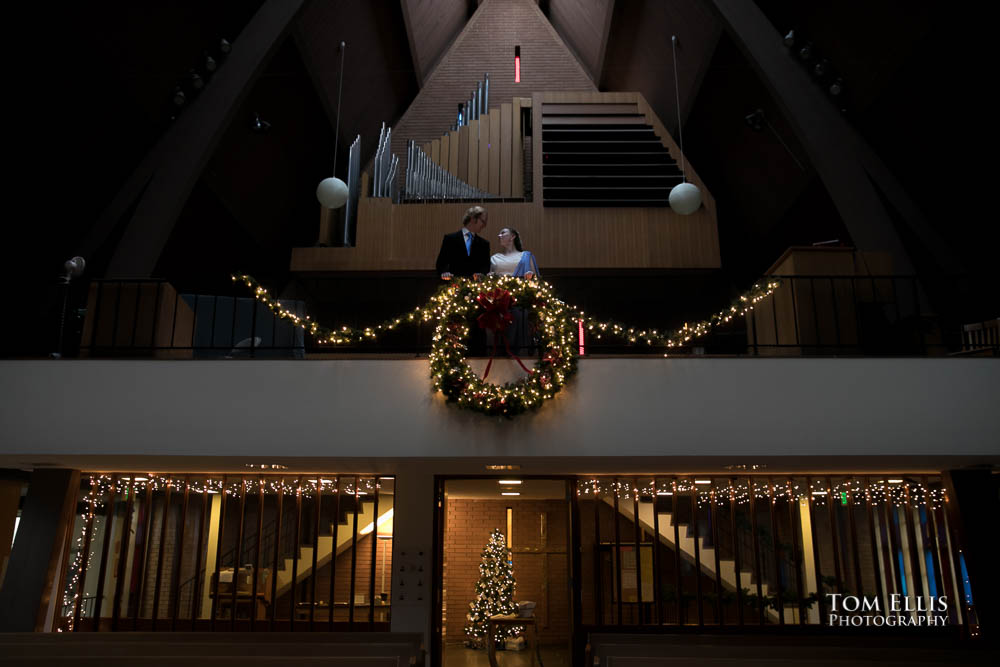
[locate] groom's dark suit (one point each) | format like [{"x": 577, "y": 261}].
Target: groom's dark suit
[{"x": 453, "y": 258}]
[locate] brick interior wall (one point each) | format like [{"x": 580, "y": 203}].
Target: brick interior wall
[
  {"x": 486, "y": 44},
  {"x": 785, "y": 523},
  {"x": 170, "y": 557},
  {"x": 342, "y": 582},
  {"x": 468, "y": 525}
]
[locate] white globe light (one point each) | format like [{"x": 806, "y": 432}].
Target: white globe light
[
  {"x": 332, "y": 192},
  {"x": 685, "y": 198}
]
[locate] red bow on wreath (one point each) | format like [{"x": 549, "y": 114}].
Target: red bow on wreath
[
  {"x": 497, "y": 317},
  {"x": 496, "y": 304}
]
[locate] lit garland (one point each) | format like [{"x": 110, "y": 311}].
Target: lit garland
[
  {"x": 440, "y": 302},
  {"x": 677, "y": 338},
  {"x": 71, "y": 594},
  {"x": 723, "y": 491},
  {"x": 494, "y": 593},
  {"x": 455, "y": 305},
  {"x": 101, "y": 485},
  {"x": 451, "y": 373},
  {"x": 252, "y": 484}
]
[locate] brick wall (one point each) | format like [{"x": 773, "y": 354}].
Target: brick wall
[
  {"x": 342, "y": 583},
  {"x": 486, "y": 44},
  {"x": 430, "y": 27},
  {"x": 468, "y": 525},
  {"x": 170, "y": 556},
  {"x": 583, "y": 25}
]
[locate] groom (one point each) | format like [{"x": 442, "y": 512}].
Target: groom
[{"x": 464, "y": 253}]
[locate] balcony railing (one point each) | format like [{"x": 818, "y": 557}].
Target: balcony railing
[{"x": 806, "y": 316}]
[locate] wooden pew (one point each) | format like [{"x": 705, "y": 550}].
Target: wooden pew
[{"x": 223, "y": 649}]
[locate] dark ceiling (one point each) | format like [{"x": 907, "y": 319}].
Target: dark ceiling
[{"x": 103, "y": 76}]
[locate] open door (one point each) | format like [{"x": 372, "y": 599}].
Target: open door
[{"x": 533, "y": 520}]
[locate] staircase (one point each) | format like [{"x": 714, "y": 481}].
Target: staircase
[
  {"x": 604, "y": 154},
  {"x": 685, "y": 547},
  {"x": 325, "y": 548}
]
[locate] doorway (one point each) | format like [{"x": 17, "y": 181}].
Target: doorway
[{"x": 533, "y": 520}]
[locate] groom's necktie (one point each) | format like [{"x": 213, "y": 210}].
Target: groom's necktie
[{"x": 468, "y": 244}]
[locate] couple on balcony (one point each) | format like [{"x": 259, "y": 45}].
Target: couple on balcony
[{"x": 466, "y": 254}]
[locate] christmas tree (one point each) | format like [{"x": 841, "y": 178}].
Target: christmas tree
[{"x": 494, "y": 593}]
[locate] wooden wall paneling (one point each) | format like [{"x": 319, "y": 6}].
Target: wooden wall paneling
[
  {"x": 517, "y": 156},
  {"x": 506, "y": 149},
  {"x": 581, "y": 97},
  {"x": 463, "y": 153},
  {"x": 593, "y": 120},
  {"x": 151, "y": 319},
  {"x": 665, "y": 137},
  {"x": 474, "y": 153},
  {"x": 494, "y": 147},
  {"x": 562, "y": 238},
  {"x": 536, "y": 147},
  {"x": 446, "y": 152},
  {"x": 638, "y": 247},
  {"x": 325, "y": 226},
  {"x": 436, "y": 151},
  {"x": 484, "y": 152},
  {"x": 453, "y": 152},
  {"x": 659, "y": 232},
  {"x": 590, "y": 108},
  {"x": 407, "y": 237},
  {"x": 634, "y": 241},
  {"x": 426, "y": 148}
]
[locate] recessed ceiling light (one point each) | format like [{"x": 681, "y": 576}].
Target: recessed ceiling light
[
  {"x": 503, "y": 467},
  {"x": 510, "y": 493},
  {"x": 664, "y": 493},
  {"x": 819, "y": 493},
  {"x": 702, "y": 481},
  {"x": 895, "y": 481},
  {"x": 508, "y": 481}
]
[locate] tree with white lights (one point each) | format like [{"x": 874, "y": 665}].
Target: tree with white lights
[{"x": 494, "y": 593}]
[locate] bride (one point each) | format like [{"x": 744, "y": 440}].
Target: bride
[
  {"x": 520, "y": 263},
  {"x": 514, "y": 260}
]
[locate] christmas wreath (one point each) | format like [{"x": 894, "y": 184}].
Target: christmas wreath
[{"x": 487, "y": 304}]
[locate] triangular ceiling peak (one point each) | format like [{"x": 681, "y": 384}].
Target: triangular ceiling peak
[{"x": 486, "y": 44}]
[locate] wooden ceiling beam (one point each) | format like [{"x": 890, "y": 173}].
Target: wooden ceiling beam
[
  {"x": 835, "y": 149},
  {"x": 159, "y": 188}
]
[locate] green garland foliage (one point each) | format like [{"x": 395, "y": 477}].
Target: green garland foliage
[{"x": 455, "y": 308}]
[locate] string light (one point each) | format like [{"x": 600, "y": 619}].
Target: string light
[
  {"x": 894, "y": 493},
  {"x": 351, "y": 485},
  {"x": 102, "y": 483},
  {"x": 454, "y": 307},
  {"x": 494, "y": 593},
  {"x": 71, "y": 594}
]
